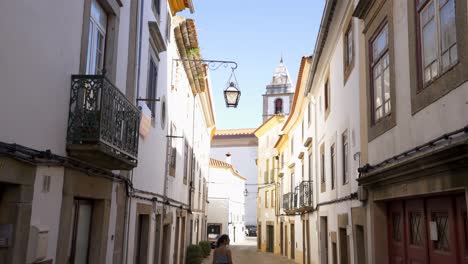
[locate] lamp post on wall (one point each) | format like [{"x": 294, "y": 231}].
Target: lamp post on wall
[{"x": 231, "y": 93}]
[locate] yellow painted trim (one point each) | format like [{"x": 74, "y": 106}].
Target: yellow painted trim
[
  {"x": 269, "y": 124},
  {"x": 282, "y": 143},
  {"x": 299, "y": 104}
]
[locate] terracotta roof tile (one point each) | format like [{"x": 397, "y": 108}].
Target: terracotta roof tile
[{"x": 235, "y": 132}]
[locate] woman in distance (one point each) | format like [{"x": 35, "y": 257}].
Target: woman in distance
[{"x": 222, "y": 254}]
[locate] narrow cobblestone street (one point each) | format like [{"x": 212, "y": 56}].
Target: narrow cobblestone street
[{"x": 246, "y": 252}]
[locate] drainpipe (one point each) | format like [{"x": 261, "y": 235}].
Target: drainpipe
[{"x": 128, "y": 208}]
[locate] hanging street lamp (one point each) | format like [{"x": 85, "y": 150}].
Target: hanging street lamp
[
  {"x": 232, "y": 95},
  {"x": 246, "y": 193}
]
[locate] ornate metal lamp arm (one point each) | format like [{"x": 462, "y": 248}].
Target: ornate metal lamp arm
[{"x": 214, "y": 64}]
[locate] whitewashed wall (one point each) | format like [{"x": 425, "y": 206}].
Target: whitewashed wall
[{"x": 243, "y": 159}]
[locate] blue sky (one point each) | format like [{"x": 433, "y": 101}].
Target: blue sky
[{"x": 254, "y": 33}]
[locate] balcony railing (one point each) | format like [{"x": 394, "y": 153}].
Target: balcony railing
[
  {"x": 102, "y": 124},
  {"x": 287, "y": 198},
  {"x": 305, "y": 194}
]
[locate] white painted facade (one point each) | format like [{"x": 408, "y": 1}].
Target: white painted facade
[
  {"x": 243, "y": 152},
  {"x": 185, "y": 122},
  {"x": 36, "y": 66},
  {"x": 226, "y": 188},
  {"x": 35, "y": 69}
]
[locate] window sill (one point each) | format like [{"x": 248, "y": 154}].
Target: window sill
[
  {"x": 438, "y": 77},
  {"x": 383, "y": 125}
]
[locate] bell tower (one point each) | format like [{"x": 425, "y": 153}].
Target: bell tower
[{"x": 279, "y": 93}]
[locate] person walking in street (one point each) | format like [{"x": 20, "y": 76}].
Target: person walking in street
[{"x": 222, "y": 254}]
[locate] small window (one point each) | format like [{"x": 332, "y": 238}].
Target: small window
[
  {"x": 278, "y": 106},
  {"x": 151, "y": 91},
  {"x": 272, "y": 202},
  {"x": 322, "y": 164},
  {"x": 163, "y": 112},
  {"x": 345, "y": 155},
  {"x": 172, "y": 155},
  {"x": 46, "y": 183},
  {"x": 168, "y": 27},
  {"x": 333, "y": 165},
  {"x": 186, "y": 159},
  {"x": 292, "y": 145},
  {"x": 438, "y": 38},
  {"x": 326, "y": 95},
  {"x": 349, "y": 47},
  {"x": 311, "y": 165},
  {"x": 157, "y": 8},
  {"x": 380, "y": 65}
]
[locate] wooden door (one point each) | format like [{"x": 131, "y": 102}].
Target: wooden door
[
  {"x": 323, "y": 240},
  {"x": 304, "y": 254},
  {"x": 259, "y": 236},
  {"x": 308, "y": 241},
  {"x": 396, "y": 236},
  {"x": 462, "y": 229},
  {"x": 293, "y": 243},
  {"x": 442, "y": 245},
  {"x": 281, "y": 239},
  {"x": 271, "y": 238},
  {"x": 416, "y": 231}
]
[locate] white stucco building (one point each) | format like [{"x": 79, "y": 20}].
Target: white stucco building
[
  {"x": 104, "y": 159},
  {"x": 226, "y": 207},
  {"x": 241, "y": 144}
]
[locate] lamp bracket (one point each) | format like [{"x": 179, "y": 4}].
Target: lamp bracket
[
  {"x": 171, "y": 136},
  {"x": 213, "y": 64},
  {"x": 149, "y": 99}
]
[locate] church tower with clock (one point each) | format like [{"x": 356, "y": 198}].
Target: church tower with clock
[{"x": 279, "y": 93}]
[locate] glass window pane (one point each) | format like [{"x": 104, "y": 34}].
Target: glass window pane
[
  {"x": 447, "y": 25},
  {"x": 429, "y": 45},
  {"x": 380, "y": 43},
  {"x": 98, "y": 14},
  {"x": 378, "y": 94}
]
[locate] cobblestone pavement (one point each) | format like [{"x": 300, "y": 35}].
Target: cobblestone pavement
[{"x": 245, "y": 253}]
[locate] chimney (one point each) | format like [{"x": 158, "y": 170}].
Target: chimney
[{"x": 228, "y": 158}]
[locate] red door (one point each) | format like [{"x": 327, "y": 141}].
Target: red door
[
  {"x": 395, "y": 233},
  {"x": 462, "y": 229},
  {"x": 415, "y": 229},
  {"x": 443, "y": 241},
  {"x": 428, "y": 231}
]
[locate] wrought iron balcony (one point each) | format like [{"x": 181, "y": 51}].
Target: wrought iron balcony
[
  {"x": 287, "y": 198},
  {"x": 102, "y": 124},
  {"x": 305, "y": 195}
]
